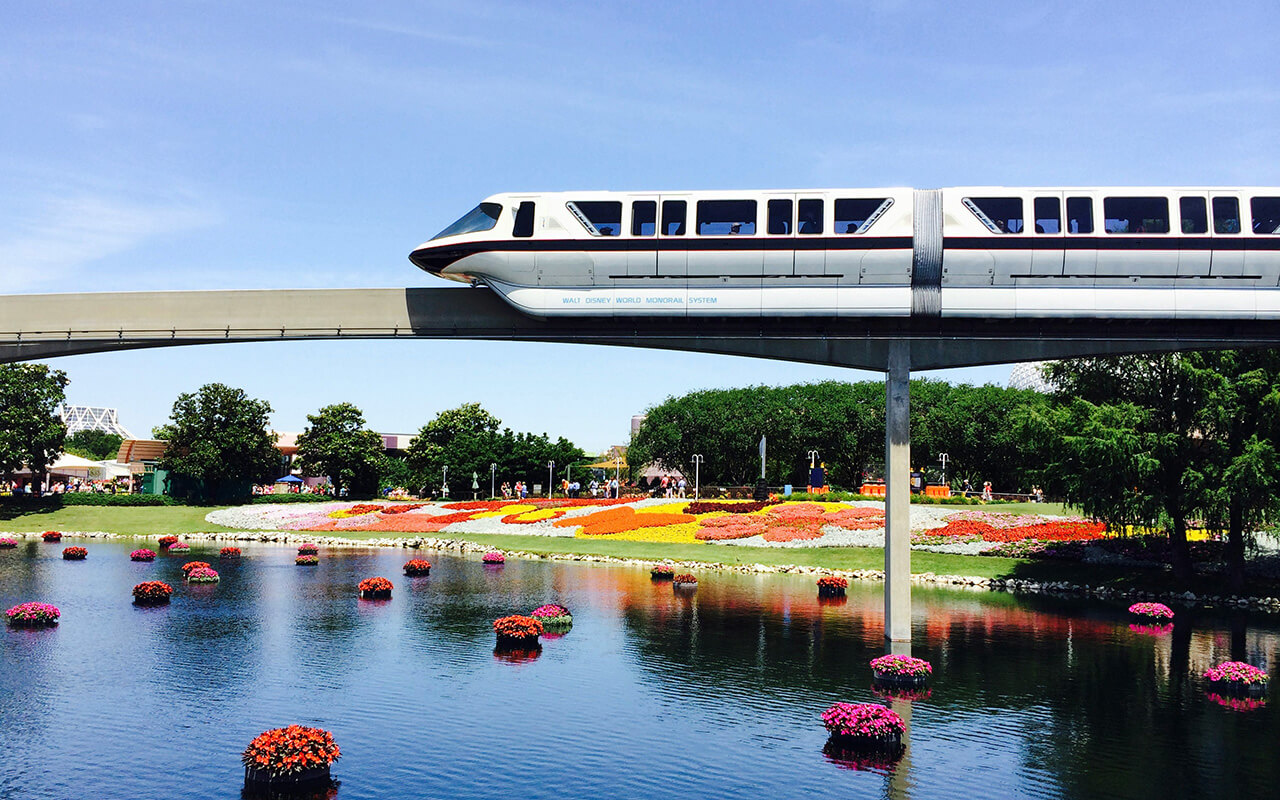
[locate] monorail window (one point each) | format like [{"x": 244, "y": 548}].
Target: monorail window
[
  {"x": 673, "y": 212},
  {"x": 779, "y": 217},
  {"x": 1079, "y": 215},
  {"x": 601, "y": 217},
  {"x": 481, "y": 218},
  {"x": 644, "y": 218},
  {"x": 810, "y": 217},
  {"x": 1226, "y": 215},
  {"x": 1195, "y": 215},
  {"x": 856, "y": 215},
  {"x": 1048, "y": 215},
  {"x": 726, "y": 217},
  {"x": 1266, "y": 214},
  {"x": 999, "y": 214},
  {"x": 1136, "y": 215},
  {"x": 524, "y": 220}
]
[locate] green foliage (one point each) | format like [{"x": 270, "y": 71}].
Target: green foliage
[
  {"x": 276, "y": 499},
  {"x": 467, "y": 440},
  {"x": 977, "y": 426},
  {"x": 336, "y": 443},
  {"x": 94, "y": 445},
  {"x": 220, "y": 436},
  {"x": 95, "y": 499},
  {"x": 31, "y": 432}
]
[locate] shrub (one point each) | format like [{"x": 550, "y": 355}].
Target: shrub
[
  {"x": 51, "y": 536},
  {"x": 494, "y": 558},
  {"x": 74, "y": 553},
  {"x": 96, "y": 499},
  {"x": 308, "y": 549},
  {"x": 704, "y": 507},
  {"x": 867, "y": 721},
  {"x": 517, "y": 629},
  {"x": 203, "y": 575},
  {"x": 375, "y": 588},
  {"x": 152, "y": 592},
  {"x": 1151, "y": 610},
  {"x": 142, "y": 554},
  {"x": 33, "y": 614},
  {"x": 281, "y": 752},
  {"x": 274, "y": 499},
  {"x": 417, "y": 566},
  {"x": 307, "y": 561},
  {"x": 229, "y": 552}
]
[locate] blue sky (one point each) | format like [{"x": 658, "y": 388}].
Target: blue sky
[{"x": 188, "y": 145}]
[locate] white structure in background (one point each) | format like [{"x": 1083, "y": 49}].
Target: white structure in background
[
  {"x": 1029, "y": 375},
  {"x": 92, "y": 418}
]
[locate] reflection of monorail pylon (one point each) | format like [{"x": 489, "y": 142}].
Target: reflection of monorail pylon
[{"x": 899, "y": 787}]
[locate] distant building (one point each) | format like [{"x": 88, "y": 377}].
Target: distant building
[
  {"x": 92, "y": 418},
  {"x": 1030, "y": 375},
  {"x": 636, "y": 421}
]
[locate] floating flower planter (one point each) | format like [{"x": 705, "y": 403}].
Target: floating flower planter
[
  {"x": 143, "y": 554},
  {"x": 416, "y": 567},
  {"x": 190, "y": 565},
  {"x": 493, "y": 559},
  {"x": 1157, "y": 611},
  {"x": 375, "y": 589},
  {"x": 307, "y": 561},
  {"x": 662, "y": 572},
  {"x": 901, "y": 670},
  {"x": 864, "y": 726},
  {"x": 33, "y": 615},
  {"x": 167, "y": 541},
  {"x": 203, "y": 574},
  {"x": 553, "y": 616},
  {"x": 308, "y": 549},
  {"x": 295, "y": 757},
  {"x": 51, "y": 536},
  {"x": 517, "y": 631},
  {"x": 8, "y": 544},
  {"x": 1237, "y": 678},
  {"x": 685, "y": 581},
  {"x": 74, "y": 553},
  {"x": 229, "y": 552},
  {"x": 180, "y": 547},
  {"x": 152, "y": 593},
  {"x": 832, "y": 586}
]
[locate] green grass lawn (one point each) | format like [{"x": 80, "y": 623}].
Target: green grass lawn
[{"x": 124, "y": 520}]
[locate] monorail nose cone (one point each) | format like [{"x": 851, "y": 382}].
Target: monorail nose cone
[{"x": 433, "y": 259}]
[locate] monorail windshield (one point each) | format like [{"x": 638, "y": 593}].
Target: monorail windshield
[{"x": 481, "y": 218}]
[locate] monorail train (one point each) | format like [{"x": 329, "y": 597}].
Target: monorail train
[{"x": 994, "y": 252}]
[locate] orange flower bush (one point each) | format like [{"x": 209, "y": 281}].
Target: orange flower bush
[
  {"x": 517, "y": 629},
  {"x": 417, "y": 566},
  {"x": 281, "y": 752},
  {"x": 74, "y": 553},
  {"x": 375, "y": 588},
  {"x": 190, "y": 565},
  {"x": 152, "y": 592},
  {"x": 617, "y": 520}
]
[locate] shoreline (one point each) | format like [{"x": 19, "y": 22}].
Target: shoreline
[{"x": 466, "y": 546}]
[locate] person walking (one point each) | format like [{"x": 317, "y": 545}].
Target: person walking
[
  {"x": 986, "y": 491},
  {"x": 681, "y": 485}
]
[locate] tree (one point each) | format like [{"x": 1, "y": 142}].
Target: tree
[
  {"x": 31, "y": 432},
  {"x": 336, "y": 443},
  {"x": 465, "y": 439},
  {"x": 94, "y": 445},
  {"x": 220, "y": 436}
]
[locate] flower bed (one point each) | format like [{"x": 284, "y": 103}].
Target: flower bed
[
  {"x": 308, "y": 549},
  {"x": 618, "y": 520},
  {"x": 684, "y": 579},
  {"x": 74, "y": 553},
  {"x": 832, "y": 586},
  {"x": 375, "y": 589},
  {"x": 167, "y": 541},
  {"x": 205, "y": 574},
  {"x": 864, "y": 725},
  {"x": 415, "y": 567},
  {"x": 1151, "y": 610},
  {"x": 662, "y": 572},
  {"x": 552, "y": 616},
  {"x": 901, "y": 670},
  {"x": 289, "y": 756},
  {"x": 306, "y": 561},
  {"x": 358, "y": 510},
  {"x": 517, "y": 631},
  {"x": 709, "y": 507},
  {"x": 33, "y": 615},
  {"x": 190, "y": 565},
  {"x": 1237, "y": 677},
  {"x": 152, "y": 593},
  {"x": 401, "y": 508},
  {"x": 142, "y": 554},
  {"x": 8, "y": 544},
  {"x": 179, "y": 547},
  {"x": 493, "y": 558},
  {"x": 51, "y": 536},
  {"x": 229, "y": 552}
]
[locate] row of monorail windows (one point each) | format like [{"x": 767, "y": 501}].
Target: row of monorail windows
[
  {"x": 1131, "y": 215},
  {"x": 806, "y": 217}
]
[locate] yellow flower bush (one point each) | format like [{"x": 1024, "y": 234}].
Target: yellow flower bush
[{"x": 681, "y": 533}]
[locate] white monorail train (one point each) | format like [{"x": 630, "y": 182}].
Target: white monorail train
[{"x": 995, "y": 252}]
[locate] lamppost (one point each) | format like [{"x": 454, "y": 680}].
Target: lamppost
[
  {"x": 493, "y": 474},
  {"x": 944, "y": 458},
  {"x": 551, "y": 466},
  {"x": 813, "y": 459},
  {"x": 617, "y": 471},
  {"x": 444, "y": 482},
  {"x": 697, "y": 473}
]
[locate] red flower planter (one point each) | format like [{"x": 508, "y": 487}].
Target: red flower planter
[
  {"x": 832, "y": 586},
  {"x": 51, "y": 536},
  {"x": 152, "y": 593},
  {"x": 229, "y": 552},
  {"x": 517, "y": 631},
  {"x": 375, "y": 589},
  {"x": 416, "y": 567},
  {"x": 290, "y": 758},
  {"x": 74, "y": 553}
]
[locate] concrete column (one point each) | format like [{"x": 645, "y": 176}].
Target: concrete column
[{"x": 897, "y": 496}]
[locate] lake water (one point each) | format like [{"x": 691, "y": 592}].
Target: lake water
[{"x": 716, "y": 694}]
